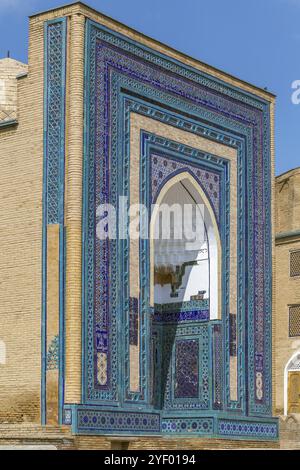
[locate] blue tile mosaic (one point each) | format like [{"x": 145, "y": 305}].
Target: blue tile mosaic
[
  {"x": 187, "y": 368},
  {"x": 105, "y": 421}
]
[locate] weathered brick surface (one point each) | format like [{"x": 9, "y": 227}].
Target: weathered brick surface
[{"x": 290, "y": 432}]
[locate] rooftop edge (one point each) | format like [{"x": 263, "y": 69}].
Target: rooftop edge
[{"x": 212, "y": 68}]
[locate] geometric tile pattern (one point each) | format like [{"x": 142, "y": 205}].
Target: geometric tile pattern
[
  {"x": 133, "y": 321},
  {"x": 53, "y": 354},
  {"x": 67, "y": 416},
  {"x": 93, "y": 420},
  {"x": 178, "y": 381},
  {"x": 117, "y": 70},
  {"x": 155, "y": 150},
  {"x": 55, "y": 120},
  {"x": 184, "y": 306},
  {"x": 204, "y": 106},
  {"x": 187, "y": 311},
  {"x": 162, "y": 168},
  {"x": 217, "y": 367},
  {"x": 101, "y": 421},
  {"x": 232, "y": 328},
  {"x": 176, "y": 317},
  {"x": 55, "y": 32},
  {"x": 248, "y": 429},
  {"x": 187, "y": 369},
  {"x": 187, "y": 426}
]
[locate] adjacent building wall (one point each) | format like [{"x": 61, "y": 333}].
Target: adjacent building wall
[
  {"x": 9, "y": 70},
  {"x": 287, "y": 288}
]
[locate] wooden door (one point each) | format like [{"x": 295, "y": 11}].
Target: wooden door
[{"x": 294, "y": 392}]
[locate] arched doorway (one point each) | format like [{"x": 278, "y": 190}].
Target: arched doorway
[
  {"x": 292, "y": 385},
  {"x": 186, "y": 286}
]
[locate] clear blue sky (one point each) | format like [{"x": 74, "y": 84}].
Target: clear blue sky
[{"x": 255, "y": 40}]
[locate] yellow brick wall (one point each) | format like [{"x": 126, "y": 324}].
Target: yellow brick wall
[
  {"x": 52, "y": 318},
  {"x": 74, "y": 153},
  {"x": 286, "y": 289},
  {"x": 21, "y": 150},
  {"x": 9, "y": 70},
  {"x": 288, "y": 201}
]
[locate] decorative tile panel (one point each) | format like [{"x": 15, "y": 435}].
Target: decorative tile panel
[
  {"x": 171, "y": 358},
  {"x": 184, "y": 306},
  {"x": 193, "y": 310},
  {"x": 55, "y": 32},
  {"x": 54, "y": 117},
  {"x": 53, "y": 354},
  {"x": 187, "y": 426},
  {"x": 255, "y": 430},
  {"x": 119, "y": 69},
  {"x": 186, "y": 369},
  {"x": 93, "y": 420},
  {"x": 232, "y": 334},
  {"x": 133, "y": 320},
  {"x": 218, "y": 383},
  {"x": 67, "y": 416},
  {"x": 163, "y": 168},
  {"x": 176, "y": 317}
]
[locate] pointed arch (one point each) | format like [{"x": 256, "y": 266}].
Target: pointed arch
[
  {"x": 293, "y": 364},
  {"x": 213, "y": 235}
]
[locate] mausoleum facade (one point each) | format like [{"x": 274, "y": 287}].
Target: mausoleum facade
[{"x": 135, "y": 336}]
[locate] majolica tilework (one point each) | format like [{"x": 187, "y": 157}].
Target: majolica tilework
[
  {"x": 53, "y": 186},
  {"x": 184, "y": 306},
  {"x": 151, "y": 145},
  {"x": 94, "y": 420},
  {"x": 187, "y": 426},
  {"x": 176, "y": 317},
  {"x": 232, "y": 323},
  {"x": 172, "y": 152},
  {"x": 133, "y": 320},
  {"x": 54, "y": 117},
  {"x": 122, "y": 77},
  {"x": 248, "y": 429},
  {"x": 67, "y": 416},
  {"x": 163, "y": 168},
  {"x": 91, "y": 420},
  {"x": 170, "y": 388},
  {"x": 217, "y": 366},
  {"x": 53, "y": 354},
  {"x": 192, "y": 310},
  {"x": 187, "y": 368}
]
